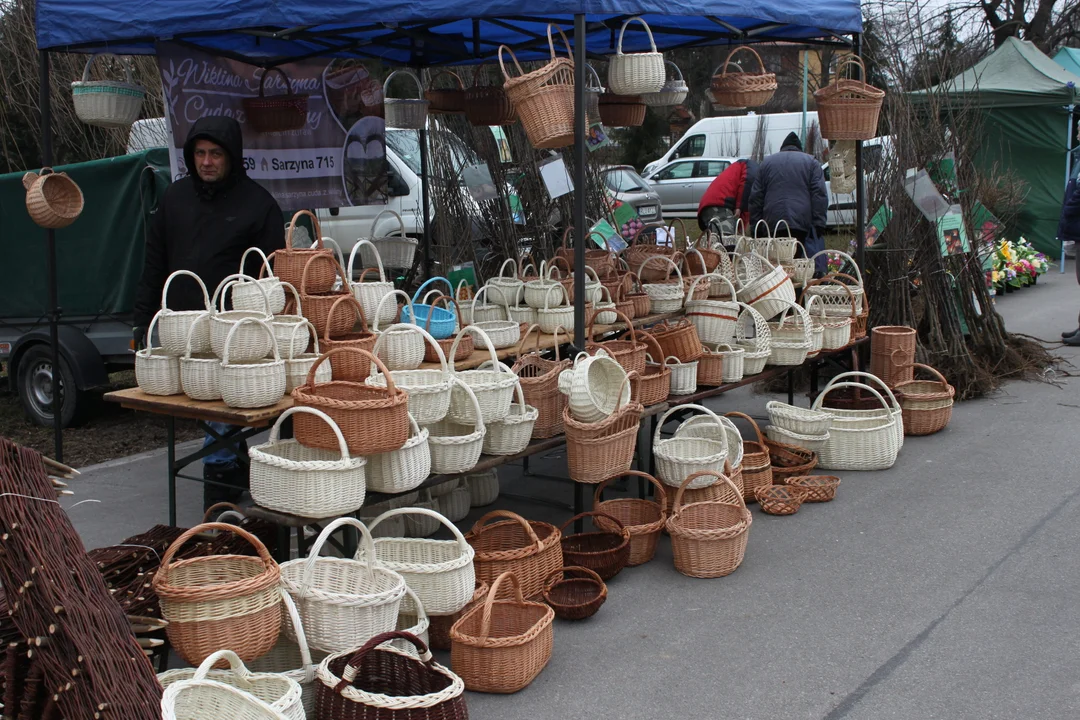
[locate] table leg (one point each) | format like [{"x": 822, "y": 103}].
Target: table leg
[
  {"x": 284, "y": 542},
  {"x": 814, "y": 380},
  {"x": 170, "y": 431},
  {"x": 525, "y": 465},
  {"x": 579, "y": 504},
  {"x": 791, "y": 387}
]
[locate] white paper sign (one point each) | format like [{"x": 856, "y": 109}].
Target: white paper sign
[{"x": 555, "y": 176}]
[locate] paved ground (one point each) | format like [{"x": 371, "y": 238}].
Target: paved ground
[{"x": 942, "y": 588}]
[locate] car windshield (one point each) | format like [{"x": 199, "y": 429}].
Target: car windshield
[
  {"x": 624, "y": 180},
  {"x": 406, "y": 145}
]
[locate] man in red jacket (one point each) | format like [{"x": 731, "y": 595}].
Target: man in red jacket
[{"x": 728, "y": 195}]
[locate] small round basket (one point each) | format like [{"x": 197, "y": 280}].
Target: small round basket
[
  {"x": 819, "y": 488},
  {"x": 605, "y": 551},
  {"x": 780, "y": 499},
  {"x": 575, "y": 597}
]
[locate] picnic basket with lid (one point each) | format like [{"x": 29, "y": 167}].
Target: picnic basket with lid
[
  {"x": 309, "y": 482},
  {"x": 401, "y": 112},
  {"x": 487, "y": 105},
  {"x": 605, "y": 551},
  {"x": 708, "y": 539},
  {"x": 276, "y": 113},
  {"x": 370, "y": 293},
  {"x": 848, "y": 109},
  {"x": 244, "y": 294},
  {"x": 642, "y": 518},
  {"x": 372, "y": 419},
  {"x": 391, "y": 676},
  {"x": 280, "y": 692},
  {"x": 107, "y": 103},
  {"x": 456, "y": 447},
  {"x": 742, "y": 89},
  {"x": 636, "y": 73},
  {"x": 251, "y": 383},
  {"x": 500, "y": 646},
  {"x": 575, "y": 597},
  {"x": 343, "y": 602},
  {"x": 289, "y": 261},
  {"x": 538, "y": 378},
  {"x": 219, "y": 600},
  {"x": 428, "y": 388},
  {"x": 926, "y": 404},
  {"x": 177, "y": 327},
  {"x": 156, "y": 372},
  {"x": 544, "y": 98},
  {"x": 529, "y": 549}
]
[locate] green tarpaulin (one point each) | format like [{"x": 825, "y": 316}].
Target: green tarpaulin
[
  {"x": 99, "y": 256},
  {"x": 1069, "y": 58},
  {"x": 1024, "y": 97}
]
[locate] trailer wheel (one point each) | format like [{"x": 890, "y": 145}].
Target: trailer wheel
[{"x": 35, "y": 381}]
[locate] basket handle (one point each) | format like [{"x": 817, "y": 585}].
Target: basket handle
[
  {"x": 596, "y": 513},
  {"x": 379, "y": 307},
  {"x": 592, "y": 77},
  {"x": 739, "y": 49},
  {"x": 861, "y": 386},
  {"x": 301, "y": 636},
  {"x": 391, "y": 76},
  {"x": 867, "y": 378},
  {"x": 310, "y": 329},
  {"x": 236, "y": 666},
  {"x": 463, "y": 544},
  {"x": 265, "y": 261},
  {"x": 753, "y": 424},
  {"x": 513, "y": 265},
  {"x": 652, "y": 43},
  {"x": 547, "y": 295},
  {"x": 676, "y": 507},
  {"x": 391, "y": 213},
  {"x": 485, "y": 618},
  {"x": 648, "y": 337},
  {"x": 483, "y": 291},
  {"x": 858, "y": 273},
  {"x": 484, "y": 337},
  {"x": 598, "y": 495},
  {"x": 666, "y": 259},
  {"x": 346, "y": 298},
  {"x": 366, "y": 542},
  {"x": 319, "y": 257},
  {"x": 227, "y": 506},
  {"x": 378, "y": 259},
  {"x": 479, "y": 424},
  {"x": 127, "y": 70},
  {"x": 851, "y": 60},
  {"x": 191, "y": 331},
  {"x": 556, "y": 575},
  {"x": 348, "y": 675},
  {"x": 692, "y": 406},
  {"x": 166, "y": 560},
  {"x": 932, "y": 370},
  {"x": 237, "y": 326},
  {"x": 310, "y": 384},
  {"x": 429, "y": 281},
  {"x": 479, "y": 524},
  {"x": 202, "y": 286},
  {"x": 502, "y": 66},
  {"x": 678, "y": 72},
  {"x": 275, "y": 431},
  {"x": 316, "y": 242},
  {"x": 451, "y": 73},
  {"x": 551, "y": 42},
  {"x": 279, "y": 71}
]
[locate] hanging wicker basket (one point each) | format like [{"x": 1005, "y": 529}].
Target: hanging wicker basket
[
  {"x": 53, "y": 200},
  {"x": 849, "y": 109},
  {"x": 107, "y": 103},
  {"x": 446, "y": 101},
  {"x": 405, "y": 113},
  {"x": 673, "y": 92},
  {"x": 276, "y": 113},
  {"x": 742, "y": 89},
  {"x": 621, "y": 110},
  {"x": 544, "y": 98},
  {"x": 488, "y": 105},
  {"x": 636, "y": 73}
]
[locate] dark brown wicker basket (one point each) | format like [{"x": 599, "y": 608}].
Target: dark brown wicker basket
[
  {"x": 819, "y": 488},
  {"x": 604, "y": 551},
  {"x": 780, "y": 499},
  {"x": 789, "y": 461},
  {"x": 574, "y": 598}
]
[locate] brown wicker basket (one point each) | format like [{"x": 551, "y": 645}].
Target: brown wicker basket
[
  {"x": 290, "y": 262},
  {"x": 350, "y": 366},
  {"x": 643, "y": 519},
  {"x": 703, "y": 259},
  {"x": 576, "y": 597},
  {"x": 539, "y": 380},
  {"x": 789, "y": 461},
  {"x": 849, "y": 109},
  {"x": 654, "y": 385},
  {"x": 595, "y": 450},
  {"x": 544, "y": 98},
  {"x": 448, "y": 101},
  {"x": 892, "y": 353},
  {"x": 487, "y": 105},
  {"x": 602, "y": 262},
  {"x": 53, "y": 199},
  {"x": 780, "y": 499},
  {"x": 372, "y": 419},
  {"x": 638, "y": 253},
  {"x": 220, "y": 601},
  {"x": 605, "y": 551},
  {"x": 926, "y": 405},
  {"x": 756, "y": 460},
  {"x": 465, "y": 347},
  {"x": 529, "y": 549},
  {"x": 621, "y": 110},
  {"x": 680, "y": 340},
  {"x": 439, "y": 627},
  {"x": 316, "y": 305},
  {"x": 819, "y": 488},
  {"x": 642, "y": 301},
  {"x": 628, "y": 353},
  {"x": 708, "y": 539},
  {"x": 742, "y": 89},
  {"x": 276, "y": 113},
  {"x": 710, "y": 369}
]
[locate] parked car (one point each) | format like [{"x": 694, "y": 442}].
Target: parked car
[
  {"x": 627, "y": 186},
  {"x": 680, "y": 184}
]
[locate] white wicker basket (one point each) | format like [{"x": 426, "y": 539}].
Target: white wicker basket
[
  {"x": 782, "y": 247},
  {"x": 804, "y": 421},
  {"x": 370, "y": 294},
  {"x": 493, "y": 386},
  {"x": 200, "y": 374},
  {"x": 293, "y": 659},
  {"x": 343, "y": 602},
  {"x": 428, "y": 390},
  {"x": 454, "y": 505},
  {"x": 251, "y": 383},
  {"x": 853, "y": 418},
  {"x": 278, "y": 691},
  {"x": 715, "y": 320},
  {"x": 595, "y": 386},
  {"x": 456, "y": 448},
  {"x": 678, "y": 457},
  {"x": 506, "y": 290},
  {"x": 251, "y": 343},
  {"x": 502, "y": 333},
  {"x": 175, "y": 326},
  {"x": 536, "y": 291},
  {"x": 868, "y": 444},
  {"x": 209, "y": 700},
  {"x": 478, "y": 312},
  {"x": 683, "y": 376},
  {"x": 604, "y": 310},
  {"x": 309, "y": 482},
  {"x": 483, "y": 488},
  {"x": 290, "y": 344},
  {"x": 665, "y": 297},
  {"x": 835, "y": 329},
  {"x": 297, "y": 368},
  {"x": 791, "y": 338},
  {"x": 444, "y": 488},
  {"x": 403, "y": 469},
  {"x": 839, "y": 298},
  {"x": 753, "y": 336},
  {"x": 157, "y": 372},
  {"x": 636, "y": 73},
  {"x": 809, "y": 442},
  {"x": 511, "y": 435},
  {"x": 769, "y": 290},
  {"x": 560, "y": 316},
  {"x": 673, "y": 92},
  {"x": 801, "y": 269},
  {"x": 245, "y": 295},
  {"x": 703, "y": 426},
  {"x": 733, "y": 361},
  {"x": 405, "y": 113},
  {"x": 107, "y": 103},
  {"x": 413, "y": 619},
  {"x": 400, "y": 346}
]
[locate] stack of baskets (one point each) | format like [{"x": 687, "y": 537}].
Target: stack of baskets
[
  {"x": 801, "y": 427},
  {"x": 600, "y": 420}
]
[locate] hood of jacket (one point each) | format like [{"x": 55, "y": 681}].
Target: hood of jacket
[
  {"x": 223, "y": 131},
  {"x": 791, "y": 142}
]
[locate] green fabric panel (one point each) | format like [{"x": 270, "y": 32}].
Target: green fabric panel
[
  {"x": 1030, "y": 142},
  {"x": 99, "y": 256},
  {"x": 1069, "y": 58}
]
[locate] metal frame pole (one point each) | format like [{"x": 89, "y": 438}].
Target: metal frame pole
[
  {"x": 579, "y": 181},
  {"x": 424, "y": 172},
  {"x": 45, "y": 105},
  {"x": 860, "y": 182},
  {"x": 1068, "y": 170}
]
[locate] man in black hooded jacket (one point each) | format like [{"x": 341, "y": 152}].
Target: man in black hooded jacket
[{"x": 204, "y": 224}]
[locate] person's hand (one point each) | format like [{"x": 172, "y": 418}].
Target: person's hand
[{"x": 138, "y": 334}]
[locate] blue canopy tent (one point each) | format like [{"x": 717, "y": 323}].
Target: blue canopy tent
[{"x": 439, "y": 32}]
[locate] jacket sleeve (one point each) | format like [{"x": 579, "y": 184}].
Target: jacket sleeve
[
  {"x": 757, "y": 197},
  {"x": 155, "y": 268},
  {"x": 1069, "y": 224},
  {"x": 819, "y": 197},
  {"x": 271, "y": 235}
]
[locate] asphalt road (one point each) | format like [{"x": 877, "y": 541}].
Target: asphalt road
[{"x": 944, "y": 587}]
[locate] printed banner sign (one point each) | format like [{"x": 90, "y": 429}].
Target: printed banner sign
[{"x": 336, "y": 158}]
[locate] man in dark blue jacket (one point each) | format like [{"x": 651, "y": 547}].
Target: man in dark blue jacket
[
  {"x": 791, "y": 186},
  {"x": 1069, "y": 229}
]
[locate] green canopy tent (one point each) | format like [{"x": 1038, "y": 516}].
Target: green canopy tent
[
  {"x": 1069, "y": 58},
  {"x": 1026, "y": 100}
]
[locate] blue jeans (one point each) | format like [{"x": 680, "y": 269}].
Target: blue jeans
[
  {"x": 815, "y": 244},
  {"x": 224, "y": 459}
]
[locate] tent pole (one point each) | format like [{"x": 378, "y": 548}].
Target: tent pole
[
  {"x": 579, "y": 182},
  {"x": 424, "y": 200},
  {"x": 1068, "y": 170},
  {"x": 45, "y": 106},
  {"x": 805, "y": 86},
  {"x": 860, "y": 181}
]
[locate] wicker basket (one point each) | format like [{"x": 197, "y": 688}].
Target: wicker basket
[
  {"x": 402, "y": 345},
  {"x": 756, "y": 460},
  {"x": 292, "y": 660},
  {"x": 351, "y": 366},
  {"x": 867, "y": 444},
  {"x": 790, "y": 337},
  {"x": 289, "y": 262},
  {"x": 439, "y": 627},
  {"x": 252, "y": 343},
  {"x": 219, "y": 600},
  {"x": 456, "y": 447},
  {"x": 156, "y": 372},
  {"x": 372, "y": 419},
  {"x": 780, "y": 499},
  {"x": 371, "y": 294},
  {"x": 853, "y": 407},
  {"x": 176, "y": 327},
  {"x": 849, "y": 109},
  {"x": 544, "y": 98},
  {"x": 742, "y": 89},
  {"x": 819, "y": 488},
  {"x": 813, "y": 443},
  {"x": 488, "y": 105},
  {"x": 428, "y": 389},
  {"x": 200, "y": 373},
  {"x": 538, "y": 379},
  {"x": 393, "y": 675},
  {"x": 483, "y": 488},
  {"x": 757, "y": 346},
  {"x": 446, "y": 101},
  {"x": 789, "y": 461},
  {"x": 276, "y": 113},
  {"x": 835, "y": 331},
  {"x": 892, "y": 353},
  {"x": 529, "y": 549},
  {"x": 251, "y": 383},
  {"x": 732, "y": 361},
  {"x": 53, "y": 200},
  {"x": 636, "y": 73},
  {"x": 405, "y": 113},
  {"x": 715, "y": 320},
  {"x": 927, "y": 404},
  {"x": 575, "y": 597},
  {"x": 641, "y": 300},
  {"x": 665, "y": 296},
  {"x": 801, "y": 269},
  {"x": 679, "y": 339},
  {"x": 500, "y": 646},
  {"x": 683, "y": 376},
  {"x": 207, "y": 699},
  {"x": 679, "y": 456},
  {"x": 654, "y": 385},
  {"x": 284, "y": 325},
  {"x": 710, "y": 369},
  {"x": 280, "y": 692},
  {"x": 605, "y": 551},
  {"x": 493, "y": 386},
  {"x": 596, "y": 386},
  {"x": 465, "y": 348},
  {"x": 246, "y": 294},
  {"x": 769, "y": 292},
  {"x": 630, "y": 354},
  {"x": 708, "y": 539},
  {"x": 673, "y": 92},
  {"x": 622, "y": 110},
  {"x": 798, "y": 420},
  {"x": 343, "y": 602},
  {"x": 639, "y": 253},
  {"x": 602, "y": 262},
  {"x": 455, "y": 505},
  {"x": 595, "y": 450},
  {"x": 643, "y": 519},
  {"x": 394, "y": 249},
  {"x": 437, "y": 321},
  {"x": 107, "y": 103},
  {"x": 511, "y": 435}
]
